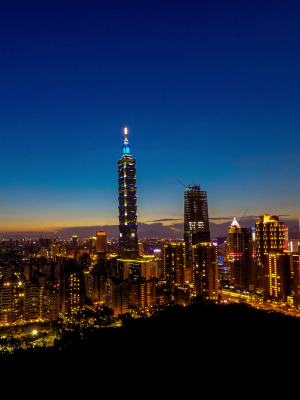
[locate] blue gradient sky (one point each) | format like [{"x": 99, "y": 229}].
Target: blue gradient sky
[{"x": 208, "y": 89}]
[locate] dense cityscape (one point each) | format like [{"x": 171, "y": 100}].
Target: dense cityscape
[
  {"x": 149, "y": 196},
  {"x": 52, "y": 285}
]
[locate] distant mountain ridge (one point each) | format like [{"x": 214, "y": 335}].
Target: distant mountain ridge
[{"x": 148, "y": 231}]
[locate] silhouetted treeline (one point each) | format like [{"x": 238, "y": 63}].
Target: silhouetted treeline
[{"x": 198, "y": 332}]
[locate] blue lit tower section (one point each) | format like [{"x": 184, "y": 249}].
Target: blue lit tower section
[{"x": 128, "y": 240}]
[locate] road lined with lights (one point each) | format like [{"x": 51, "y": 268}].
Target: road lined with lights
[{"x": 228, "y": 296}]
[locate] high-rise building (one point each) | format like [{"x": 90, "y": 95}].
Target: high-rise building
[
  {"x": 96, "y": 287},
  {"x": 196, "y": 222},
  {"x": 116, "y": 295},
  {"x": 174, "y": 263},
  {"x": 49, "y": 303},
  {"x": 269, "y": 234},
  {"x": 92, "y": 244},
  {"x": 140, "y": 291},
  {"x": 286, "y": 238},
  {"x": 278, "y": 275},
  {"x": 72, "y": 289},
  {"x": 74, "y": 241},
  {"x": 240, "y": 256},
  {"x": 205, "y": 270},
  {"x": 101, "y": 243},
  {"x": 31, "y": 303},
  {"x": 8, "y": 300},
  {"x": 128, "y": 239}
]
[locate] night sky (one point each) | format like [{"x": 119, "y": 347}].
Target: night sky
[{"x": 209, "y": 91}]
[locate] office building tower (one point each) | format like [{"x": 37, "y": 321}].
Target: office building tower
[
  {"x": 278, "y": 275},
  {"x": 196, "y": 222},
  {"x": 240, "y": 256},
  {"x": 128, "y": 239},
  {"x": 269, "y": 234},
  {"x": 101, "y": 241},
  {"x": 205, "y": 270},
  {"x": 72, "y": 289},
  {"x": 174, "y": 263}
]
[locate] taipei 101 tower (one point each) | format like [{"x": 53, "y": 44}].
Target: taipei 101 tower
[{"x": 128, "y": 240}]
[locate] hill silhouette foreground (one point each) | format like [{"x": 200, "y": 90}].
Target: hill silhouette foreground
[{"x": 202, "y": 331}]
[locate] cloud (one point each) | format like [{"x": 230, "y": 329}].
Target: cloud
[{"x": 165, "y": 219}]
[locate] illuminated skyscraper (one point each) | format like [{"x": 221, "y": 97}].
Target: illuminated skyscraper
[
  {"x": 278, "y": 275},
  {"x": 269, "y": 234},
  {"x": 196, "y": 222},
  {"x": 240, "y": 256},
  {"x": 205, "y": 270},
  {"x": 174, "y": 263},
  {"x": 72, "y": 288},
  {"x": 128, "y": 239}
]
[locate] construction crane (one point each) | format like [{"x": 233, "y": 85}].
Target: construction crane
[
  {"x": 181, "y": 183},
  {"x": 244, "y": 215}
]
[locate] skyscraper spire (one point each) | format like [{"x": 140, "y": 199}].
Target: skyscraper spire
[{"x": 126, "y": 146}]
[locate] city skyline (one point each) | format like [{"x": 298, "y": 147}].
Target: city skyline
[{"x": 210, "y": 93}]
